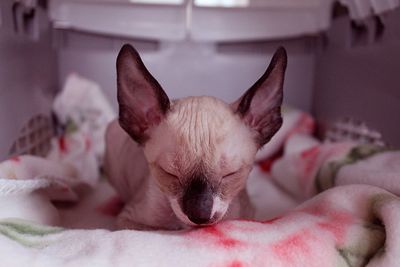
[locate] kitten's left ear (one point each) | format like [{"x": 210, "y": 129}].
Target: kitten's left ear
[{"x": 260, "y": 106}]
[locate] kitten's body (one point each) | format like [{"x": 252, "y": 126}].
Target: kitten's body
[{"x": 185, "y": 162}]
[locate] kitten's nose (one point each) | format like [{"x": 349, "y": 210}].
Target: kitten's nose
[{"x": 197, "y": 202}]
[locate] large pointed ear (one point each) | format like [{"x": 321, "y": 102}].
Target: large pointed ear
[
  {"x": 142, "y": 101},
  {"x": 260, "y": 106}
]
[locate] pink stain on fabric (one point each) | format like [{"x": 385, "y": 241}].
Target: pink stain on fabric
[
  {"x": 319, "y": 209},
  {"x": 309, "y": 161},
  {"x": 337, "y": 223},
  {"x": 310, "y": 157},
  {"x": 230, "y": 263},
  {"x": 267, "y": 163},
  {"x": 235, "y": 263},
  {"x": 334, "y": 221},
  {"x": 305, "y": 124},
  {"x": 112, "y": 207},
  {"x": 88, "y": 143},
  {"x": 213, "y": 235},
  {"x": 62, "y": 144},
  {"x": 15, "y": 159},
  {"x": 220, "y": 238},
  {"x": 293, "y": 247}
]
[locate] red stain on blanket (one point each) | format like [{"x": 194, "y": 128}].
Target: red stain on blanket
[
  {"x": 267, "y": 163},
  {"x": 235, "y": 263},
  {"x": 215, "y": 236},
  {"x": 88, "y": 143},
  {"x": 337, "y": 223},
  {"x": 333, "y": 220},
  {"x": 15, "y": 159},
  {"x": 219, "y": 238},
  {"x": 230, "y": 263},
  {"x": 293, "y": 247},
  {"x": 310, "y": 157},
  {"x": 305, "y": 124},
  {"x": 112, "y": 207},
  {"x": 319, "y": 209},
  {"x": 62, "y": 144}
]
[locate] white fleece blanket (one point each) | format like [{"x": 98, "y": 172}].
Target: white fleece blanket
[{"x": 317, "y": 204}]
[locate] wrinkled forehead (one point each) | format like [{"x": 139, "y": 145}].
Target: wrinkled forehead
[
  {"x": 202, "y": 133},
  {"x": 200, "y": 124}
]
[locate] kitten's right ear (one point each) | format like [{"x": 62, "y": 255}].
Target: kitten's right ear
[{"x": 142, "y": 102}]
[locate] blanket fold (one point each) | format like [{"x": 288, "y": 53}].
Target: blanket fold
[
  {"x": 343, "y": 226},
  {"x": 337, "y": 203}
]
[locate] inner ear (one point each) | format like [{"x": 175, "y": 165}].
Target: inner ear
[
  {"x": 142, "y": 101},
  {"x": 260, "y": 106}
]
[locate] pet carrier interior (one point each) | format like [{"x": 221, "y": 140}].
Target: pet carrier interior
[{"x": 341, "y": 86}]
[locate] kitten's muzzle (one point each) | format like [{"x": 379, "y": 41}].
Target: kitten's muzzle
[{"x": 197, "y": 202}]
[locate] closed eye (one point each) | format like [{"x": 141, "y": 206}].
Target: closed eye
[
  {"x": 230, "y": 174},
  {"x": 168, "y": 173}
]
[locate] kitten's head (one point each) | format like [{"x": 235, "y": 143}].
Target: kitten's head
[{"x": 200, "y": 150}]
